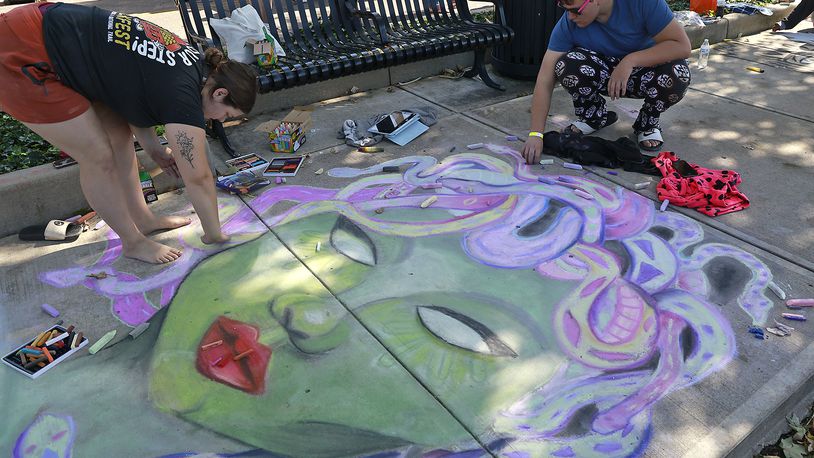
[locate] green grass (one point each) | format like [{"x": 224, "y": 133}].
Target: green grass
[{"x": 20, "y": 148}]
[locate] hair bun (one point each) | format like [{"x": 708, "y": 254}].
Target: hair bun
[{"x": 214, "y": 58}]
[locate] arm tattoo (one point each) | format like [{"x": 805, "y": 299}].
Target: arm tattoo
[{"x": 185, "y": 145}]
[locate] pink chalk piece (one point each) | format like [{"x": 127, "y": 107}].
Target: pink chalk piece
[
  {"x": 583, "y": 194},
  {"x": 279, "y": 180},
  {"x": 50, "y": 310},
  {"x": 793, "y": 316},
  {"x": 431, "y": 186},
  {"x": 73, "y": 219},
  {"x": 800, "y": 302}
]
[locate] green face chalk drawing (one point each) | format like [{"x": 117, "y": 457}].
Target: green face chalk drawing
[{"x": 547, "y": 323}]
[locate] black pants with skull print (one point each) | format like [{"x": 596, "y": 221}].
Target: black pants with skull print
[{"x": 585, "y": 75}]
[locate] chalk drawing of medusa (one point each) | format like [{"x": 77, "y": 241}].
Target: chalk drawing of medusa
[{"x": 547, "y": 323}]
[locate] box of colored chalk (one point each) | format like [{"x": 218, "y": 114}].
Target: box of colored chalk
[{"x": 31, "y": 360}]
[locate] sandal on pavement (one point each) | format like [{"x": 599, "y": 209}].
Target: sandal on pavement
[
  {"x": 587, "y": 129},
  {"x": 650, "y": 135}
]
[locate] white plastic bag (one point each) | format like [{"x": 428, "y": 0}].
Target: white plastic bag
[
  {"x": 689, "y": 18},
  {"x": 233, "y": 31}
]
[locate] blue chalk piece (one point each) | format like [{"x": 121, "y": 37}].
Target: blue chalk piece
[
  {"x": 611, "y": 172},
  {"x": 50, "y": 310},
  {"x": 569, "y": 165},
  {"x": 567, "y": 179}
]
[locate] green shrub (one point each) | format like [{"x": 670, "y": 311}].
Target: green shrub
[{"x": 20, "y": 148}]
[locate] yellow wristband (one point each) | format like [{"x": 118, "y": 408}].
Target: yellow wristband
[{"x": 535, "y": 134}]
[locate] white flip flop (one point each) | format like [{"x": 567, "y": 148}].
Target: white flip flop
[{"x": 652, "y": 135}]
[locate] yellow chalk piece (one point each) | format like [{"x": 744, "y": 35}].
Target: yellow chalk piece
[
  {"x": 430, "y": 200},
  {"x": 104, "y": 340}
]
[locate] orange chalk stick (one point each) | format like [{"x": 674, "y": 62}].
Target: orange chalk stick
[
  {"x": 48, "y": 354},
  {"x": 243, "y": 355}
]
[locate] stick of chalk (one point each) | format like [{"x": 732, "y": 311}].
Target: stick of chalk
[
  {"x": 546, "y": 161},
  {"x": 793, "y": 316},
  {"x": 571, "y": 166},
  {"x": 611, "y": 172},
  {"x": 430, "y": 200},
  {"x": 641, "y": 185},
  {"x": 664, "y": 205},
  {"x": 100, "y": 344},
  {"x": 431, "y": 185},
  {"x": 776, "y": 290},
  {"x": 50, "y": 310},
  {"x": 567, "y": 179},
  {"x": 512, "y": 138},
  {"x": 546, "y": 180},
  {"x": 73, "y": 219},
  {"x": 319, "y": 172},
  {"x": 56, "y": 339},
  {"x": 474, "y": 146},
  {"x": 583, "y": 194},
  {"x": 800, "y": 302},
  {"x": 319, "y": 246},
  {"x": 284, "y": 180},
  {"x": 138, "y": 330},
  {"x": 278, "y": 180},
  {"x": 99, "y": 225}
]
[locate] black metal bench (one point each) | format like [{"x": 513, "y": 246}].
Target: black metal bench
[{"x": 325, "y": 39}]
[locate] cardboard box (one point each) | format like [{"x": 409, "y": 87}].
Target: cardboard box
[
  {"x": 288, "y": 135},
  {"x": 263, "y": 51}
]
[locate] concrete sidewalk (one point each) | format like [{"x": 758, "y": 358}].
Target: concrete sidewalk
[{"x": 510, "y": 317}]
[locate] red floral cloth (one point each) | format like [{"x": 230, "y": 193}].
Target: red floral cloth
[{"x": 711, "y": 192}]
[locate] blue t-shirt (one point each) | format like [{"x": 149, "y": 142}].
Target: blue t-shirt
[{"x": 630, "y": 28}]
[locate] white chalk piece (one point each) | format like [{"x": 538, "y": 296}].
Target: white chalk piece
[
  {"x": 430, "y": 200},
  {"x": 776, "y": 290},
  {"x": 546, "y": 161},
  {"x": 56, "y": 339},
  {"x": 319, "y": 172},
  {"x": 100, "y": 344},
  {"x": 319, "y": 246},
  {"x": 583, "y": 194},
  {"x": 475, "y": 146},
  {"x": 139, "y": 329},
  {"x": 99, "y": 225},
  {"x": 571, "y": 166},
  {"x": 664, "y": 205},
  {"x": 641, "y": 185}
]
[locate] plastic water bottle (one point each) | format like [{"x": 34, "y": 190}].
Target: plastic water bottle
[{"x": 703, "y": 54}]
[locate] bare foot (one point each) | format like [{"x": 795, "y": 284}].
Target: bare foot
[
  {"x": 222, "y": 238},
  {"x": 152, "y": 252},
  {"x": 162, "y": 223}
]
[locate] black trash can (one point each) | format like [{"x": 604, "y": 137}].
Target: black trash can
[{"x": 532, "y": 22}]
